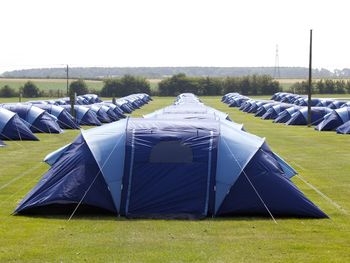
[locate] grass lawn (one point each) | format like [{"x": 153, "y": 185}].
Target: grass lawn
[{"x": 321, "y": 158}]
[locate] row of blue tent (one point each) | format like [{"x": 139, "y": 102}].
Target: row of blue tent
[
  {"x": 186, "y": 160},
  {"x": 324, "y": 118},
  {"x": 18, "y": 121}
]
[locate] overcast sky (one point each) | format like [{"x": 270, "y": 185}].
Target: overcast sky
[{"x": 39, "y": 33}]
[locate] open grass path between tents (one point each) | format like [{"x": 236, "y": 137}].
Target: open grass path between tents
[{"x": 321, "y": 158}]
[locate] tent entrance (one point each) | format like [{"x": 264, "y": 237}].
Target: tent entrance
[{"x": 169, "y": 173}]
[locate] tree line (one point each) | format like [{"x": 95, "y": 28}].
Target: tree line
[
  {"x": 327, "y": 86},
  {"x": 160, "y": 72},
  {"x": 247, "y": 85}
]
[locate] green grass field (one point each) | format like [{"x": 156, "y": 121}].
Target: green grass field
[
  {"x": 60, "y": 84},
  {"x": 321, "y": 158}
]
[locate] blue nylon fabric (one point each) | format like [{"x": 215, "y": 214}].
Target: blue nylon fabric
[
  {"x": 53, "y": 157},
  {"x": 166, "y": 188},
  {"x": 101, "y": 114},
  {"x": 67, "y": 181},
  {"x": 344, "y": 114},
  {"x": 285, "y": 115},
  {"x": 45, "y": 123},
  {"x": 64, "y": 119},
  {"x": 344, "y": 129},
  {"x": 16, "y": 129},
  {"x": 33, "y": 114},
  {"x": 300, "y": 117},
  {"x": 235, "y": 149},
  {"x": 330, "y": 121},
  {"x": 276, "y": 190},
  {"x": 107, "y": 144},
  {"x": 5, "y": 117}
]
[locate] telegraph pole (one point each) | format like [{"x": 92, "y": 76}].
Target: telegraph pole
[
  {"x": 310, "y": 83},
  {"x": 67, "y": 71}
]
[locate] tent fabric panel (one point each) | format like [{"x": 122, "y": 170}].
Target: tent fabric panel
[
  {"x": 235, "y": 149},
  {"x": 16, "y": 129},
  {"x": 107, "y": 144},
  {"x": 68, "y": 180},
  {"x": 276, "y": 191},
  {"x": 160, "y": 183},
  {"x": 5, "y": 117},
  {"x": 33, "y": 114}
]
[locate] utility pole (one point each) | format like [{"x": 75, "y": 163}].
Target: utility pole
[
  {"x": 310, "y": 83},
  {"x": 276, "y": 71},
  {"x": 67, "y": 71}
]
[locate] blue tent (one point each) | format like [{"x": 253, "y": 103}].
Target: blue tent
[
  {"x": 116, "y": 109},
  {"x": 273, "y": 112},
  {"x": 347, "y": 104},
  {"x": 256, "y": 105},
  {"x": 344, "y": 129},
  {"x": 264, "y": 108},
  {"x": 38, "y": 120},
  {"x": 101, "y": 112},
  {"x": 304, "y": 102},
  {"x": 300, "y": 116},
  {"x": 169, "y": 169},
  {"x": 2, "y": 144},
  {"x": 84, "y": 116},
  {"x": 13, "y": 128},
  {"x": 334, "y": 119},
  {"x": 285, "y": 115},
  {"x": 336, "y": 104},
  {"x": 64, "y": 119},
  {"x": 324, "y": 103}
]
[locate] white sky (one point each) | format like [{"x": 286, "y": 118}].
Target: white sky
[{"x": 39, "y": 33}]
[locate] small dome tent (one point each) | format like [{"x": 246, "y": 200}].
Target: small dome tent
[
  {"x": 64, "y": 119},
  {"x": 13, "y": 128},
  {"x": 300, "y": 116},
  {"x": 334, "y": 119},
  {"x": 39, "y": 120}
]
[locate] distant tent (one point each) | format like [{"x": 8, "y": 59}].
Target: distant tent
[
  {"x": 273, "y": 112},
  {"x": 285, "y": 115},
  {"x": 304, "y": 102},
  {"x": 336, "y": 104},
  {"x": 39, "y": 120},
  {"x": 13, "y": 128},
  {"x": 64, "y": 119},
  {"x": 84, "y": 116},
  {"x": 264, "y": 108},
  {"x": 344, "y": 129},
  {"x": 169, "y": 169},
  {"x": 324, "y": 103},
  {"x": 300, "y": 116},
  {"x": 116, "y": 109},
  {"x": 256, "y": 105},
  {"x": 101, "y": 112},
  {"x": 2, "y": 144},
  {"x": 334, "y": 119}
]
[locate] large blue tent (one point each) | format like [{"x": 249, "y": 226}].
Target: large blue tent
[
  {"x": 12, "y": 127},
  {"x": 162, "y": 168},
  {"x": 38, "y": 120}
]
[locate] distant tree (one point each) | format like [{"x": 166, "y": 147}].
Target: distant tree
[
  {"x": 30, "y": 90},
  {"x": 125, "y": 86},
  {"x": 79, "y": 87},
  {"x": 7, "y": 92}
]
